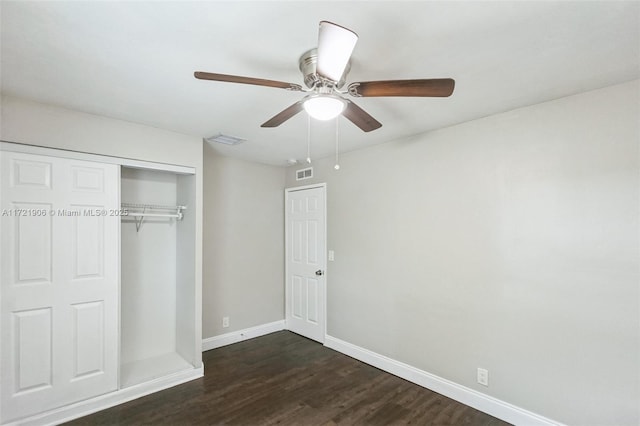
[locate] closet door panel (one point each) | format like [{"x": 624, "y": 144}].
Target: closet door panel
[
  {"x": 87, "y": 179},
  {"x": 58, "y": 282},
  {"x": 33, "y": 244},
  {"x": 32, "y": 343},
  {"x": 27, "y": 290},
  {"x": 87, "y": 243},
  {"x": 31, "y": 173},
  {"x": 89, "y": 339}
]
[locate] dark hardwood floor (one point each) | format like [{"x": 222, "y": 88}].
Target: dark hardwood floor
[{"x": 283, "y": 378}]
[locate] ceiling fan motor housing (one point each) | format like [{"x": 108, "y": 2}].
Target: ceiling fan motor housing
[{"x": 308, "y": 66}]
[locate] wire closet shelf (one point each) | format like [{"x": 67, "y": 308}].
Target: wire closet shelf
[{"x": 140, "y": 211}]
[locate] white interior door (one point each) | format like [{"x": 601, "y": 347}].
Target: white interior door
[
  {"x": 58, "y": 283},
  {"x": 306, "y": 261}
]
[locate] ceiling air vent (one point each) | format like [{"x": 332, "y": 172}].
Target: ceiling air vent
[
  {"x": 304, "y": 173},
  {"x": 225, "y": 139}
]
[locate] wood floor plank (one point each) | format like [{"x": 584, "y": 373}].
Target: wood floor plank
[{"x": 285, "y": 379}]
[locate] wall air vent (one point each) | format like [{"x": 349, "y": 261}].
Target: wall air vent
[
  {"x": 304, "y": 173},
  {"x": 225, "y": 139}
]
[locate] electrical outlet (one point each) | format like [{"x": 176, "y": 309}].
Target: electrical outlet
[
  {"x": 331, "y": 256},
  {"x": 225, "y": 322},
  {"x": 483, "y": 377}
]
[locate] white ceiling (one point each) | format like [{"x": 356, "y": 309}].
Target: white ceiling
[{"x": 135, "y": 61}]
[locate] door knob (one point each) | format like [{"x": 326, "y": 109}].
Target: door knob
[{"x": 319, "y": 272}]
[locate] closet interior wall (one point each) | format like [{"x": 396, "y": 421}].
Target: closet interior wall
[{"x": 157, "y": 275}]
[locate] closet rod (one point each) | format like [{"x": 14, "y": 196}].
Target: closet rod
[
  {"x": 153, "y": 206},
  {"x": 135, "y": 214},
  {"x": 140, "y": 215}
]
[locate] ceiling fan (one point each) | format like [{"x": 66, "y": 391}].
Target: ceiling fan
[{"x": 325, "y": 70}]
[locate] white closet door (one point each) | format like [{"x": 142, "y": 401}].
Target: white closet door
[{"x": 58, "y": 281}]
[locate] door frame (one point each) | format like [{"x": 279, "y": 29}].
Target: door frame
[{"x": 287, "y": 297}]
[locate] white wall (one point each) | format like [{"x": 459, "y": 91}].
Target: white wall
[
  {"x": 148, "y": 269},
  {"x": 509, "y": 243},
  {"x": 187, "y": 303},
  {"x": 51, "y": 126},
  {"x": 243, "y": 242}
]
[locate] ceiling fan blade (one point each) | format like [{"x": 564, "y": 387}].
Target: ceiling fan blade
[
  {"x": 246, "y": 80},
  {"x": 435, "y": 87},
  {"x": 284, "y": 115},
  {"x": 335, "y": 45},
  {"x": 360, "y": 117}
]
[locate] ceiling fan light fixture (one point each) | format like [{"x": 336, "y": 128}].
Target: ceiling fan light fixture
[
  {"x": 324, "y": 107},
  {"x": 335, "y": 45}
]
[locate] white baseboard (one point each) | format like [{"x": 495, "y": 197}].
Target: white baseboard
[
  {"x": 89, "y": 406},
  {"x": 240, "y": 335},
  {"x": 485, "y": 403}
]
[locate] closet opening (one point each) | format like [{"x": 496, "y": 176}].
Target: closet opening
[{"x": 157, "y": 262}]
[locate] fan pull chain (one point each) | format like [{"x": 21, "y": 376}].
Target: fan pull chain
[
  {"x": 337, "y": 166},
  {"x": 308, "y": 139}
]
